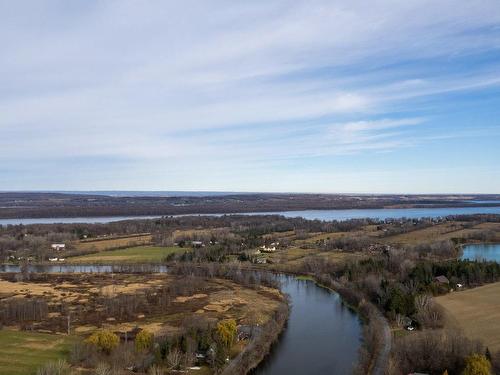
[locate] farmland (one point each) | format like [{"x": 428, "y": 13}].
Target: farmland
[
  {"x": 112, "y": 243},
  {"x": 137, "y": 254},
  {"x": 477, "y": 312}
]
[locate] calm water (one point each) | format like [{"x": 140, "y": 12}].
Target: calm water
[
  {"x": 322, "y": 337},
  {"x": 490, "y": 252},
  {"x": 83, "y": 268},
  {"x": 385, "y": 213},
  {"x": 374, "y": 213}
]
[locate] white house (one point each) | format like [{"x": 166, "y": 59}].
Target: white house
[
  {"x": 269, "y": 249},
  {"x": 58, "y": 246}
]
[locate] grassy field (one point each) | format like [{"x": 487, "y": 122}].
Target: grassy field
[
  {"x": 23, "y": 352},
  {"x": 137, "y": 254},
  {"x": 112, "y": 243},
  {"x": 477, "y": 312}
]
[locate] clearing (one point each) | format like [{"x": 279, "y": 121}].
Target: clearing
[{"x": 477, "y": 312}]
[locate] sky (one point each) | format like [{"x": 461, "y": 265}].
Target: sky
[{"x": 381, "y": 96}]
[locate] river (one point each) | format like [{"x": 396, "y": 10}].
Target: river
[
  {"x": 322, "y": 335},
  {"x": 373, "y": 213}
]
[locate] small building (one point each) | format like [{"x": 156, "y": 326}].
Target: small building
[
  {"x": 58, "y": 246},
  {"x": 270, "y": 249},
  {"x": 55, "y": 259},
  {"x": 197, "y": 244},
  {"x": 441, "y": 279},
  {"x": 244, "y": 332},
  {"x": 128, "y": 335}
]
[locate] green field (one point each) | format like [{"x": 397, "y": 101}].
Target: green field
[
  {"x": 23, "y": 352},
  {"x": 137, "y": 254}
]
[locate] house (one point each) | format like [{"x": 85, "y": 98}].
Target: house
[
  {"x": 441, "y": 279},
  {"x": 266, "y": 249},
  {"x": 244, "y": 332},
  {"x": 197, "y": 244},
  {"x": 128, "y": 335},
  {"x": 53, "y": 259},
  {"x": 406, "y": 321},
  {"x": 58, "y": 246}
]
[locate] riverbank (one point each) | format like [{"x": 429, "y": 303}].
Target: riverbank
[
  {"x": 377, "y": 338},
  {"x": 260, "y": 346}
]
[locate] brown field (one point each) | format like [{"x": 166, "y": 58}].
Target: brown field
[
  {"x": 368, "y": 230},
  {"x": 295, "y": 257},
  {"x": 477, "y": 312},
  {"x": 112, "y": 243},
  {"x": 440, "y": 232}
]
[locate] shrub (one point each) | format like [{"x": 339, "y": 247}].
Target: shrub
[
  {"x": 226, "y": 330},
  {"x": 155, "y": 370},
  {"x": 143, "y": 341},
  {"x": 477, "y": 364},
  {"x": 59, "y": 367},
  {"x": 104, "y": 340},
  {"x": 103, "y": 369}
]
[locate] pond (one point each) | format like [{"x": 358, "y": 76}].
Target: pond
[{"x": 487, "y": 252}]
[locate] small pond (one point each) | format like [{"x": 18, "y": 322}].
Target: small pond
[{"x": 484, "y": 251}]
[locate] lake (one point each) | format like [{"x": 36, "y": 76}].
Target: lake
[
  {"x": 373, "y": 213},
  {"x": 488, "y": 252}
]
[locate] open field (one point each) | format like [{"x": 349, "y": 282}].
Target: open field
[
  {"x": 440, "y": 232},
  {"x": 477, "y": 312},
  {"x": 137, "y": 254},
  {"x": 21, "y": 353},
  {"x": 295, "y": 256},
  {"x": 112, "y": 243}
]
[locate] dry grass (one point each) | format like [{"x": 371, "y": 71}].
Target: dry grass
[
  {"x": 477, "y": 312},
  {"x": 440, "y": 232},
  {"x": 222, "y": 299}
]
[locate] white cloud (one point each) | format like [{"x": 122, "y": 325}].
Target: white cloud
[{"x": 233, "y": 81}]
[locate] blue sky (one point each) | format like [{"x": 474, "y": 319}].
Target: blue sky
[{"x": 306, "y": 96}]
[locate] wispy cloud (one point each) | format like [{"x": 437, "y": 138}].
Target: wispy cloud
[{"x": 168, "y": 86}]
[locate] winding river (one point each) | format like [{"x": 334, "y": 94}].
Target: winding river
[{"x": 322, "y": 335}]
